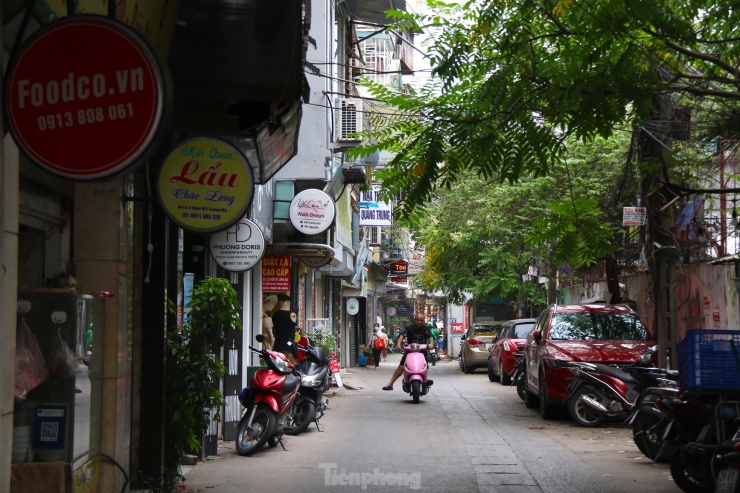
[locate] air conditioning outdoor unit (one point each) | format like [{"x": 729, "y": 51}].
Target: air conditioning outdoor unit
[{"x": 349, "y": 120}]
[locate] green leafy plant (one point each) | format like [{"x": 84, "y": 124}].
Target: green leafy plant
[
  {"x": 193, "y": 369},
  {"x": 324, "y": 339}
]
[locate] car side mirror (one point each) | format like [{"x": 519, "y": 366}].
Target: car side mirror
[
  {"x": 537, "y": 335},
  {"x": 464, "y": 336}
]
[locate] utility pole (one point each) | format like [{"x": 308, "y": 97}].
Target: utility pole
[{"x": 655, "y": 150}]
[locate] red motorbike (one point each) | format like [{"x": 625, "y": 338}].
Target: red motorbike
[{"x": 269, "y": 402}]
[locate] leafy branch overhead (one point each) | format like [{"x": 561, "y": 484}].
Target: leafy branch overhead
[{"x": 513, "y": 79}]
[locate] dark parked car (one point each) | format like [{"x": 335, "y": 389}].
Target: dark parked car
[
  {"x": 511, "y": 339},
  {"x": 597, "y": 333}
]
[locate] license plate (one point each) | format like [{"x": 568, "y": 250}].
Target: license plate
[{"x": 727, "y": 481}]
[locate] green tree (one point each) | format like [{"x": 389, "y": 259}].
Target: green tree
[
  {"x": 513, "y": 79},
  {"x": 481, "y": 236}
]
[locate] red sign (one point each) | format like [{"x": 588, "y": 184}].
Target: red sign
[
  {"x": 85, "y": 98},
  {"x": 457, "y": 328},
  {"x": 276, "y": 274}
]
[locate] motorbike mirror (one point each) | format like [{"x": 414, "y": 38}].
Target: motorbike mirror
[
  {"x": 537, "y": 335},
  {"x": 260, "y": 337}
]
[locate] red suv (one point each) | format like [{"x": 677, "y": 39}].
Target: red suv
[{"x": 597, "y": 333}]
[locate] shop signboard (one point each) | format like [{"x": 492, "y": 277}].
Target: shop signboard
[
  {"x": 312, "y": 211},
  {"x": 399, "y": 268},
  {"x": 374, "y": 212},
  {"x": 276, "y": 274},
  {"x": 457, "y": 328},
  {"x": 80, "y": 112},
  {"x": 205, "y": 185},
  {"x": 239, "y": 247}
]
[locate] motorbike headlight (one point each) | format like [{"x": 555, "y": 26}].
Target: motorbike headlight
[
  {"x": 415, "y": 346},
  {"x": 282, "y": 365},
  {"x": 310, "y": 381}
]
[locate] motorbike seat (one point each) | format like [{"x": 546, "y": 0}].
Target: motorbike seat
[
  {"x": 291, "y": 383},
  {"x": 617, "y": 373}
]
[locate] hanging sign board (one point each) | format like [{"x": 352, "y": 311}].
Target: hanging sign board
[
  {"x": 86, "y": 98},
  {"x": 239, "y": 247},
  {"x": 634, "y": 216},
  {"x": 312, "y": 211},
  {"x": 399, "y": 268},
  {"x": 275, "y": 274},
  {"x": 353, "y": 306},
  {"x": 205, "y": 185}
]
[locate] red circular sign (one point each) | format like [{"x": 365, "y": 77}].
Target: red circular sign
[{"x": 85, "y": 98}]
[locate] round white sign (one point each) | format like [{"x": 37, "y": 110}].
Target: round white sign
[
  {"x": 353, "y": 306},
  {"x": 238, "y": 247},
  {"x": 312, "y": 211},
  {"x": 391, "y": 311}
]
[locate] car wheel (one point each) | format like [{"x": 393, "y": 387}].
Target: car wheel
[
  {"x": 581, "y": 412},
  {"x": 530, "y": 399},
  {"x": 467, "y": 369},
  {"x": 505, "y": 378},
  {"x": 547, "y": 410},
  {"x": 491, "y": 375}
]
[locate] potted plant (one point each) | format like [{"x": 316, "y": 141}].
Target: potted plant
[{"x": 193, "y": 370}]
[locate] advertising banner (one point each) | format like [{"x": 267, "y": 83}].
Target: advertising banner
[
  {"x": 374, "y": 212},
  {"x": 276, "y": 274},
  {"x": 205, "y": 185}
]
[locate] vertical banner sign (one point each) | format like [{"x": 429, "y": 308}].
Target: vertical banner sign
[
  {"x": 276, "y": 274},
  {"x": 86, "y": 98},
  {"x": 205, "y": 185}
]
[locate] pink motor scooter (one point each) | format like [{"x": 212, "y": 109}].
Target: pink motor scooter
[{"x": 415, "y": 369}]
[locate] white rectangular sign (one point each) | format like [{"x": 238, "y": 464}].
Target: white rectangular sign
[{"x": 374, "y": 212}]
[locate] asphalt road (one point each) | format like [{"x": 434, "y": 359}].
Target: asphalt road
[{"x": 467, "y": 435}]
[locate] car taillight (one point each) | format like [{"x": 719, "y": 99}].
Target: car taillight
[
  {"x": 475, "y": 342},
  {"x": 509, "y": 346}
]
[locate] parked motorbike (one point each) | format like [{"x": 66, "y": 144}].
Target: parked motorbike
[
  {"x": 415, "y": 369},
  {"x": 599, "y": 392},
  {"x": 649, "y": 422},
  {"x": 309, "y": 407},
  {"x": 517, "y": 377},
  {"x": 268, "y": 401},
  {"x": 704, "y": 460}
]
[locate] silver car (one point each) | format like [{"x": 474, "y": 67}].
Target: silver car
[{"x": 475, "y": 342}]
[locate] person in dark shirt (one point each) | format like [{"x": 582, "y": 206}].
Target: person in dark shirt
[
  {"x": 415, "y": 332},
  {"x": 283, "y": 328}
]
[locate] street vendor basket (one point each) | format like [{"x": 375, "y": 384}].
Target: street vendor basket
[{"x": 709, "y": 361}]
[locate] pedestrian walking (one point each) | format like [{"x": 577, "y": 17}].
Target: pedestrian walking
[
  {"x": 376, "y": 342},
  {"x": 384, "y": 336}
]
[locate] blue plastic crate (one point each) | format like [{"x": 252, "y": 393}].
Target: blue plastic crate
[{"x": 708, "y": 360}]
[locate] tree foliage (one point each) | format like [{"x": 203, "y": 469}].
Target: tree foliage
[
  {"x": 514, "y": 79},
  {"x": 194, "y": 368},
  {"x": 481, "y": 236}
]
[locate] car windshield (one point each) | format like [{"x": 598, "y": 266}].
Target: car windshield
[
  {"x": 522, "y": 330},
  {"x": 614, "y": 326}
]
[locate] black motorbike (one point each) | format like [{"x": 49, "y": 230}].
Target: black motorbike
[
  {"x": 704, "y": 430},
  {"x": 309, "y": 407},
  {"x": 600, "y": 393},
  {"x": 518, "y": 378}
]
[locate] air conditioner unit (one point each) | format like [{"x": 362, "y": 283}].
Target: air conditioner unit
[{"x": 349, "y": 120}]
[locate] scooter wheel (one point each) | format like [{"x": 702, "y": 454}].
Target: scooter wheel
[
  {"x": 691, "y": 472},
  {"x": 647, "y": 433},
  {"x": 250, "y": 440},
  {"x": 416, "y": 390},
  {"x": 304, "y": 412},
  {"x": 582, "y": 413}
]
